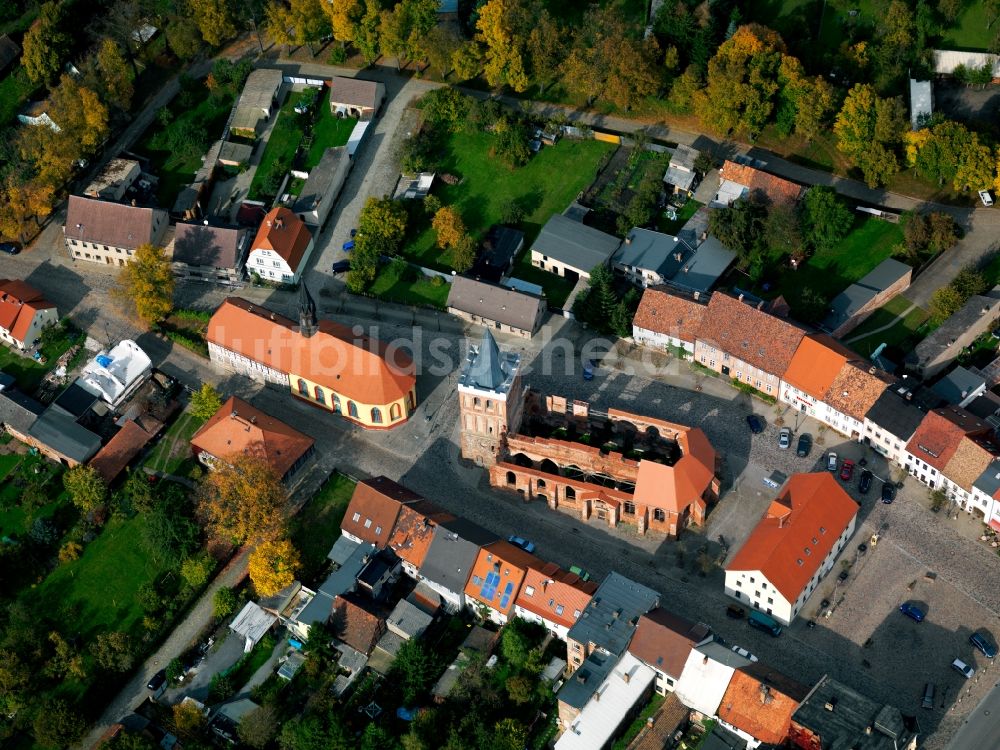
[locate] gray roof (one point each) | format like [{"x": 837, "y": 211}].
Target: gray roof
[
  {"x": 258, "y": 93},
  {"x": 989, "y": 480},
  {"x": 653, "y": 251},
  {"x": 575, "y": 244},
  {"x": 342, "y": 550},
  {"x": 321, "y": 179},
  {"x": 17, "y": 410},
  {"x": 236, "y": 153},
  {"x": 721, "y": 738},
  {"x": 844, "y": 728},
  {"x": 895, "y": 414},
  {"x": 680, "y": 178},
  {"x": 57, "y": 430},
  {"x": 921, "y": 102},
  {"x": 338, "y": 582},
  {"x": 589, "y": 676},
  {"x": 409, "y": 619},
  {"x": 610, "y": 618},
  {"x": 115, "y": 224},
  {"x": 210, "y": 246},
  {"x": 943, "y": 338},
  {"x": 452, "y": 553},
  {"x": 716, "y": 651},
  {"x": 496, "y": 303},
  {"x": 497, "y": 254},
  {"x": 487, "y": 368},
  {"x": 846, "y": 304},
  {"x": 958, "y": 384},
  {"x": 684, "y": 157},
  {"x": 699, "y": 274},
  {"x": 355, "y": 92}
]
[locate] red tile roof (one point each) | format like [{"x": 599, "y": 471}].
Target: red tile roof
[
  {"x": 761, "y": 702},
  {"x": 414, "y": 530},
  {"x": 856, "y": 388},
  {"x": 971, "y": 459},
  {"x": 940, "y": 433},
  {"x": 555, "y": 594},
  {"x": 355, "y": 625},
  {"x": 510, "y": 564},
  {"x": 777, "y": 189},
  {"x": 19, "y": 302},
  {"x": 360, "y": 368},
  {"x": 662, "y": 312},
  {"x": 374, "y": 508},
  {"x": 811, "y": 513},
  {"x": 677, "y": 487},
  {"x": 816, "y": 363},
  {"x": 285, "y": 234},
  {"x": 663, "y": 641},
  {"x": 237, "y": 427},
  {"x": 749, "y": 334},
  {"x": 127, "y": 443}
]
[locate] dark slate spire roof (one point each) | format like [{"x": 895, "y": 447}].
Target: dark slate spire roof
[
  {"x": 486, "y": 371},
  {"x": 307, "y": 312}
]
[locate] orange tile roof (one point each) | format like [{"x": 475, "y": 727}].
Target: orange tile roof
[
  {"x": 556, "y": 594},
  {"x": 749, "y": 334},
  {"x": 19, "y": 302},
  {"x": 810, "y": 513},
  {"x": 663, "y": 640},
  {"x": 511, "y": 564},
  {"x": 940, "y": 433},
  {"x": 662, "y": 312},
  {"x": 414, "y": 530},
  {"x": 285, "y": 234},
  {"x": 816, "y": 363},
  {"x": 777, "y": 189},
  {"x": 676, "y": 487},
  {"x": 761, "y": 703},
  {"x": 376, "y": 502},
  {"x": 354, "y": 366},
  {"x": 355, "y": 625},
  {"x": 127, "y": 443},
  {"x": 970, "y": 460},
  {"x": 856, "y": 388},
  {"x": 237, "y": 427}
]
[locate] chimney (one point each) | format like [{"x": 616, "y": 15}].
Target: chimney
[
  {"x": 205, "y": 222},
  {"x": 740, "y": 298},
  {"x": 831, "y": 704},
  {"x": 965, "y": 393},
  {"x": 909, "y": 395},
  {"x": 678, "y": 257},
  {"x": 704, "y": 659},
  {"x": 627, "y": 676},
  {"x": 628, "y": 239},
  {"x": 697, "y": 295},
  {"x": 760, "y": 305},
  {"x": 868, "y": 730},
  {"x": 871, "y": 370}
]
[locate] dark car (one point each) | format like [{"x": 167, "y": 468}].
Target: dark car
[
  {"x": 888, "y": 493},
  {"x": 341, "y": 266},
  {"x": 847, "y": 470},
  {"x": 756, "y": 424},
  {"x": 804, "y": 446},
  {"x": 843, "y": 576},
  {"x": 865, "y": 483},
  {"x": 912, "y": 611},
  {"x": 737, "y": 613},
  {"x": 157, "y": 681},
  {"x": 10, "y": 248},
  {"x": 519, "y": 541},
  {"x": 985, "y": 646}
]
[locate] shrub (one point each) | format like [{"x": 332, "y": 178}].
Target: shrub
[{"x": 224, "y": 602}]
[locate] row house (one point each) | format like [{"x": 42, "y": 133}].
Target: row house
[
  {"x": 663, "y": 642},
  {"x": 666, "y": 320},
  {"x": 104, "y": 232},
  {"x": 985, "y": 495},
  {"x": 891, "y": 421}
]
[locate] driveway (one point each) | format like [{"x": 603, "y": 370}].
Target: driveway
[{"x": 222, "y": 656}]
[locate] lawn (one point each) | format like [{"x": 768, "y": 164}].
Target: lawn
[
  {"x": 400, "y": 282},
  {"x": 15, "y": 90},
  {"x": 571, "y": 11},
  {"x": 904, "y": 334},
  {"x": 802, "y": 22},
  {"x": 279, "y": 153},
  {"x": 28, "y": 372},
  {"x": 673, "y": 226},
  {"x": 173, "y": 453},
  {"x": 316, "y": 527},
  {"x": 328, "y": 131},
  {"x": 970, "y": 31},
  {"x": 198, "y": 117}
]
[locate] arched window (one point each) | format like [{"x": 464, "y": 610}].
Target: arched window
[
  {"x": 395, "y": 412},
  {"x": 540, "y": 484},
  {"x": 489, "y": 405},
  {"x": 320, "y": 396},
  {"x": 659, "y": 515},
  {"x": 303, "y": 388},
  {"x": 511, "y": 479},
  {"x": 570, "y": 493},
  {"x": 352, "y": 409},
  {"x": 336, "y": 403},
  {"x": 376, "y": 416}
]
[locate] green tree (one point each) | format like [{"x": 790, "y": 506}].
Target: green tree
[
  {"x": 782, "y": 231},
  {"x": 825, "y": 219},
  {"x": 467, "y": 61},
  {"x": 87, "y": 489},
  {"x": 205, "y": 402},
  {"x": 516, "y": 641},
  {"x": 377, "y": 737},
  {"x": 224, "y": 602},
  {"x": 116, "y": 75},
  {"x": 183, "y": 36},
  {"x": 196, "y": 570},
  {"x": 521, "y": 689},
  {"x": 215, "y": 20},
  {"x": 414, "y": 670},
  {"x": 969, "y": 282},
  {"x": 945, "y": 302},
  {"x": 259, "y": 727},
  {"x": 382, "y": 225},
  {"x": 463, "y": 253},
  {"x": 510, "y": 142},
  {"x": 45, "y": 44},
  {"x": 146, "y": 284},
  {"x": 440, "y": 46},
  {"x": 366, "y": 36},
  {"x": 504, "y": 26},
  {"x": 57, "y": 725},
  {"x": 509, "y": 734},
  {"x": 869, "y": 130},
  {"x": 114, "y": 651},
  {"x": 312, "y": 732},
  {"x": 740, "y": 226},
  {"x": 546, "y": 48}
]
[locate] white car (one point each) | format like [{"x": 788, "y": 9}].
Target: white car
[
  {"x": 784, "y": 438},
  {"x": 963, "y": 669},
  {"x": 744, "y": 653},
  {"x": 986, "y": 197}
]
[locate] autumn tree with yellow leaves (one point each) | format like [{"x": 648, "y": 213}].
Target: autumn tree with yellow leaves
[
  {"x": 272, "y": 566},
  {"x": 243, "y": 500},
  {"x": 504, "y": 26},
  {"x": 215, "y": 20},
  {"x": 146, "y": 284}
]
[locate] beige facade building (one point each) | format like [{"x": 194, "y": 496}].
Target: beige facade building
[{"x": 108, "y": 233}]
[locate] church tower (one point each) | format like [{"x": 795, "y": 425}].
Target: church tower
[
  {"x": 307, "y": 312},
  {"x": 490, "y": 399}
]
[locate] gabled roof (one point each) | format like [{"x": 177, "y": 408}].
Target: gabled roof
[
  {"x": 19, "y": 302},
  {"x": 662, "y": 311},
  {"x": 613, "y": 612},
  {"x": 677, "y": 487},
  {"x": 374, "y": 508},
  {"x": 856, "y": 388},
  {"x": 495, "y": 302},
  {"x": 663, "y": 641},
  {"x": 575, "y": 244},
  {"x": 958, "y": 385},
  {"x": 760, "y": 702},
  {"x": 356, "y": 92},
  {"x": 895, "y": 413},
  {"x": 817, "y": 361},
  {"x": 408, "y": 620},
  {"x": 940, "y": 433},
  {"x": 499, "y": 248},
  {"x": 452, "y": 553},
  {"x": 797, "y": 532},
  {"x": 17, "y": 410},
  {"x": 321, "y": 179},
  {"x": 760, "y": 339},
  {"x": 846, "y": 304},
  {"x": 649, "y": 250},
  {"x": 555, "y": 594},
  {"x": 989, "y": 481},
  {"x": 354, "y": 366},
  {"x": 354, "y": 624},
  {"x": 238, "y": 428},
  {"x": 208, "y": 245},
  {"x": 285, "y": 234},
  {"x": 60, "y": 432},
  {"x": 127, "y": 443},
  {"x": 498, "y": 573},
  {"x": 114, "y": 224},
  {"x": 414, "y": 530},
  {"x": 777, "y": 189},
  {"x": 970, "y": 460}
]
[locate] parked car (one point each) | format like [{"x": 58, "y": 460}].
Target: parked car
[
  {"x": 843, "y": 576},
  {"x": 963, "y": 669},
  {"x": 10, "y": 248},
  {"x": 865, "y": 483},
  {"x": 157, "y": 681},
  {"x": 985, "y": 646},
  {"x": 348, "y": 246},
  {"x": 805, "y": 445},
  {"x": 341, "y": 266},
  {"x": 847, "y": 470},
  {"x": 888, "y": 492},
  {"x": 756, "y": 424},
  {"x": 928, "y": 700},
  {"x": 737, "y": 613},
  {"x": 744, "y": 653},
  {"x": 912, "y": 611},
  {"x": 523, "y": 543},
  {"x": 583, "y": 574},
  {"x": 588, "y": 370},
  {"x": 986, "y": 197},
  {"x": 784, "y": 438},
  {"x": 831, "y": 461}
]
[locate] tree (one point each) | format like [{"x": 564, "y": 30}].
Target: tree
[
  {"x": 969, "y": 282},
  {"x": 224, "y": 602},
  {"x": 344, "y": 15},
  {"x": 945, "y": 302},
  {"x": 312, "y": 732},
  {"x": 183, "y": 37},
  {"x": 366, "y": 35},
  {"x": 546, "y": 47},
  {"x": 308, "y": 21},
  {"x": 278, "y": 19},
  {"x": 272, "y": 566},
  {"x": 196, "y": 570},
  {"x": 146, "y": 284},
  {"x": 467, "y": 61},
  {"x": 382, "y": 224},
  {"x": 215, "y": 20},
  {"x": 740, "y": 226},
  {"x": 446, "y": 108},
  {"x": 170, "y": 534},
  {"x": 449, "y": 227},
  {"x": 66, "y": 660},
  {"x": 516, "y": 642},
  {"x": 511, "y": 212},
  {"x": 242, "y": 499},
  {"x": 414, "y": 670},
  {"x": 15, "y": 676},
  {"x": 115, "y": 74},
  {"x": 87, "y": 489},
  {"x": 463, "y": 253},
  {"x": 869, "y": 129},
  {"x": 510, "y": 142},
  {"x": 942, "y": 232},
  {"x": 259, "y": 727},
  {"x": 377, "y": 737},
  {"x": 976, "y": 168},
  {"x": 825, "y": 219},
  {"x": 782, "y": 231},
  {"x": 45, "y": 44},
  {"x": 509, "y": 734},
  {"x": 205, "y": 402},
  {"x": 440, "y": 46},
  {"x": 114, "y": 651},
  {"x": 504, "y": 26},
  {"x": 57, "y": 725},
  {"x": 188, "y": 719}
]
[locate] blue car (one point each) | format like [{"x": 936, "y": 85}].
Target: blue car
[
  {"x": 523, "y": 543},
  {"x": 755, "y": 423},
  {"x": 987, "y": 647},
  {"x": 912, "y": 611},
  {"x": 348, "y": 246}
]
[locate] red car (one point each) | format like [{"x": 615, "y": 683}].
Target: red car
[{"x": 847, "y": 470}]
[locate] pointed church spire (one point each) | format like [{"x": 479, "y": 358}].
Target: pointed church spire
[
  {"x": 307, "y": 312},
  {"x": 486, "y": 371}
]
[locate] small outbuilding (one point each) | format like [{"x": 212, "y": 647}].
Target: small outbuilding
[
  {"x": 323, "y": 186},
  {"x": 252, "y": 623},
  {"x": 356, "y": 97}
]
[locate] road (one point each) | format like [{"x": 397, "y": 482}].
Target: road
[{"x": 982, "y": 729}]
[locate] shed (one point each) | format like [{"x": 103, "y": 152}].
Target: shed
[
  {"x": 323, "y": 186},
  {"x": 255, "y": 103},
  {"x": 495, "y": 306},
  {"x": 252, "y": 623},
  {"x": 408, "y": 621},
  {"x": 355, "y": 97}
]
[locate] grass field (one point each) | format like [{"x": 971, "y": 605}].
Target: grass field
[
  {"x": 282, "y": 143},
  {"x": 905, "y": 333},
  {"x": 317, "y": 525},
  {"x": 328, "y": 131},
  {"x": 174, "y": 449},
  {"x": 400, "y": 282},
  {"x": 15, "y": 90},
  {"x": 27, "y": 371},
  {"x": 971, "y": 30}
]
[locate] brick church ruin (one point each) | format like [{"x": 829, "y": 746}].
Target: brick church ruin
[{"x": 621, "y": 467}]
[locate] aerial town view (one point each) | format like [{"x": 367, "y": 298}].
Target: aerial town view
[{"x": 499, "y": 374}]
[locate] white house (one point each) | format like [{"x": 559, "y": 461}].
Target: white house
[
  {"x": 793, "y": 546},
  {"x": 24, "y": 313},
  {"x": 281, "y": 248},
  {"x": 891, "y": 422},
  {"x": 706, "y": 675},
  {"x": 667, "y": 320}
]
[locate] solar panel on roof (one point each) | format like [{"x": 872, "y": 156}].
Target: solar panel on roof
[{"x": 505, "y": 600}]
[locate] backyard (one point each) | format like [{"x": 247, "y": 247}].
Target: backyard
[
  {"x": 400, "y": 282},
  {"x": 317, "y": 525},
  {"x": 172, "y": 454},
  {"x": 28, "y": 372},
  {"x": 328, "y": 131},
  {"x": 15, "y": 90},
  {"x": 906, "y": 328}
]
